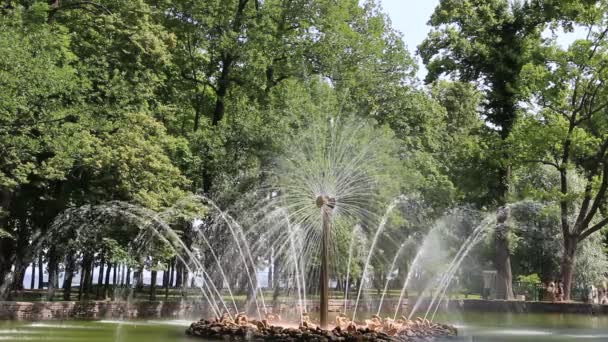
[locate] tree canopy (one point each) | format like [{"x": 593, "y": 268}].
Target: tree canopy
[{"x": 151, "y": 109}]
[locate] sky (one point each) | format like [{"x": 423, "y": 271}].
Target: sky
[{"x": 410, "y": 17}]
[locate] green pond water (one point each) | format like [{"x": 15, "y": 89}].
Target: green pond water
[{"x": 472, "y": 327}]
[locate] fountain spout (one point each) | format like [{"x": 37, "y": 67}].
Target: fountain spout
[{"x": 324, "y": 200}]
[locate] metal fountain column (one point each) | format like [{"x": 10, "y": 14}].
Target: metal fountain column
[{"x": 326, "y": 204}]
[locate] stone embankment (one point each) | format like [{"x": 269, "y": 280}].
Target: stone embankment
[
  {"x": 187, "y": 309},
  {"x": 41, "y": 311}
]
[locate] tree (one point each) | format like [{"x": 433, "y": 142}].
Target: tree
[
  {"x": 146, "y": 102},
  {"x": 488, "y": 43},
  {"x": 569, "y": 132},
  {"x": 73, "y": 130},
  {"x": 37, "y": 79}
]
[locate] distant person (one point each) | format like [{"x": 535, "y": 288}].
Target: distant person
[
  {"x": 592, "y": 295},
  {"x": 600, "y": 295},
  {"x": 603, "y": 294},
  {"x": 550, "y": 292},
  {"x": 560, "y": 292}
]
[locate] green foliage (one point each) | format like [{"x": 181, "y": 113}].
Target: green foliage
[
  {"x": 591, "y": 262},
  {"x": 568, "y": 132},
  {"x": 4, "y": 234},
  {"x": 152, "y": 102},
  {"x": 529, "y": 279},
  {"x": 37, "y": 79}
]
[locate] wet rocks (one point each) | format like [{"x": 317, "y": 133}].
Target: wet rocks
[{"x": 241, "y": 329}]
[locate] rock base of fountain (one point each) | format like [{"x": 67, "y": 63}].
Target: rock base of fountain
[{"x": 375, "y": 329}]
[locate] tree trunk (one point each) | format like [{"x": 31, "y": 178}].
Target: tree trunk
[
  {"x": 222, "y": 89},
  {"x": 6, "y": 263},
  {"x": 122, "y": 275},
  {"x": 69, "y": 274},
  {"x": 502, "y": 259},
  {"x": 91, "y": 270},
  {"x": 14, "y": 284},
  {"x": 40, "y": 272},
  {"x": 84, "y": 281},
  {"x": 165, "y": 278},
  {"x": 139, "y": 279},
  {"x": 22, "y": 277},
  {"x": 153, "y": 285},
  {"x": 568, "y": 259},
  {"x": 128, "y": 281},
  {"x": 504, "y": 288},
  {"x": 166, "y": 283},
  {"x": 197, "y": 115},
  {"x": 115, "y": 266},
  {"x": 20, "y": 256},
  {"x": 33, "y": 276},
  {"x": 171, "y": 272},
  {"x": 275, "y": 296},
  {"x": 276, "y": 270},
  {"x": 178, "y": 274},
  {"x": 6, "y": 244},
  {"x": 53, "y": 268},
  {"x": 19, "y": 276},
  {"x": 114, "y": 279},
  {"x": 185, "y": 277},
  {"x": 81, "y": 282},
  {"x": 86, "y": 276},
  {"x": 270, "y": 265},
  {"x": 106, "y": 288},
  {"x": 100, "y": 277}
]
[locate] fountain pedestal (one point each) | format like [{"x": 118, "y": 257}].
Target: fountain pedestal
[
  {"x": 324, "y": 284},
  {"x": 326, "y": 204}
]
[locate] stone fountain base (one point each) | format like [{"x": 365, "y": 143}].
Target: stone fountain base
[{"x": 375, "y": 329}]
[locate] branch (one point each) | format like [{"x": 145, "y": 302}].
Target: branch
[
  {"x": 239, "y": 81},
  {"x": 546, "y": 104},
  {"x": 575, "y": 92},
  {"x": 563, "y": 176},
  {"x": 585, "y": 205},
  {"x": 546, "y": 162},
  {"x": 196, "y": 80},
  {"x": 68, "y": 118},
  {"x": 598, "y": 196},
  {"x": 584, "y": 66},
  {"x": 596, "y": 43},
  {"x": 582, "y": 221},
  {"x": 590, "y": 111},
  {"x": 593, "y": 229}
]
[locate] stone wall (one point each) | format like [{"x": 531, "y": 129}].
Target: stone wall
[
  {"x": 36, "y": 311},
  {"x": 480, "y": 305}
]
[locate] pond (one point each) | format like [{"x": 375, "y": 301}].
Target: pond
[
  {"x": 472, "y": 327},
  {"x": 511, "y": 327}
]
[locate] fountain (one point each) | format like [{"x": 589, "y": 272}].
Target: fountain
[{"x": 328, "y": 183}]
